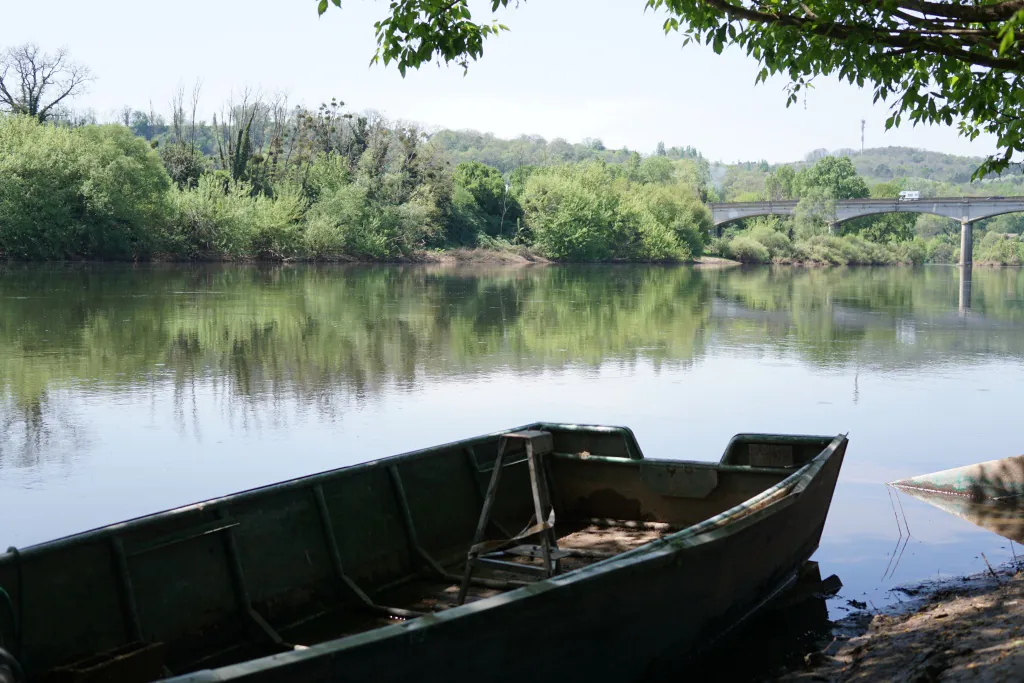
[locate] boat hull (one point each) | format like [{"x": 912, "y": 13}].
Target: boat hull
[
  {"x": 629, "y": 618},
  {"x": 214, "y": 588}
]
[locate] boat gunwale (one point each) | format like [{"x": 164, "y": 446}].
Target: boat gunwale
[
  {"x": 636, "y": 456},
  {"x": 308, "y": 480},
  {"x": 953, "y": 493},
  {"x": 722, "y": 525}
]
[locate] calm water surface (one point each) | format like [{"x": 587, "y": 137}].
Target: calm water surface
[{"x": 125, "y": 390}]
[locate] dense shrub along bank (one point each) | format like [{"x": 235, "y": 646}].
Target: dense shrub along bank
[
  {"x": 329, "y": 187},
  {"x": 588, "y": 212},
  {"x": 767, "y": 242},
  {"x": 93, "y": 191}
]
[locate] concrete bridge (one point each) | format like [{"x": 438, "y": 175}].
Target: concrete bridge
[{"x": 967, "y": 210}]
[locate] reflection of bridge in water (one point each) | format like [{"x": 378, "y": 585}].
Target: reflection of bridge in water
[
  {"x": 967, "y": 210},
  {"x": 853, "y": 318}
]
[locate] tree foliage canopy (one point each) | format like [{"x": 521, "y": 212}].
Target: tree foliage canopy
[
  {"x": 937, "y": 61},
  {"x": 836, "y": 175}
]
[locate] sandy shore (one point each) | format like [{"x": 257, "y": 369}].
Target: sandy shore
[{"x": 971, "y": 629}]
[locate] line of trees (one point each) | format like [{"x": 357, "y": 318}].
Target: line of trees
[{"x": 265, "y": 180}]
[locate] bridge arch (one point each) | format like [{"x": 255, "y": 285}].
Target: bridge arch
[
  {"x": 915, "y": 210},
  {"x": 721, "y": 223}
]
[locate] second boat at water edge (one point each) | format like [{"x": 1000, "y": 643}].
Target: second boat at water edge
[
  {"x": 992, "y": 480},
  {"x": 355, "y": 573},
  {"x": 989, "y": 494}
]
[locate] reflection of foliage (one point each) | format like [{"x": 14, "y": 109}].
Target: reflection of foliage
[
  {"x": 314, "y": 333},
  {"x": 37, "y": 428}
]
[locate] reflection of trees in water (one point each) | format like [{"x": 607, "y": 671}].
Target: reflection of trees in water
[
  {"x": 873, "y": 317},
  {"x": 262, "y": 342},
  {"x": 43, "y": 429}
]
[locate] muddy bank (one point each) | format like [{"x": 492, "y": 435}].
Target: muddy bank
[{"x": 963, "y": 630}]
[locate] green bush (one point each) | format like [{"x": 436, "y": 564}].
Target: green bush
[
  {"x": 494, "y": 209},
  {"x": 93, "y": 192},
  {"x": 855, "y": 250},
  {"x": 940, "y": 252},
  {"x": 777, "y": 244},
  {"x": 849, "y": 250},
  {"x": 184, "y": 165},
  {"x": 467, "y": 221},
  {"x": 212, "y": 220},
  {"x": 747, "y": 250},
  {"x": 40, "y": 200},
  {"x": 125, "y": 191},
  {"x": 639, "y": 236},
  {"x": 349, "y": 222},
  {"x": 325, "y": 175},
  {"x": 678, "y": 208},
  {"x": 587, "y": 212},
  {"x": 276, "y": 223},
  {"x": 998, "y": 248},
  {"x": 718, "y": 246},
  {"x": 570, "y": 212},
  {"x": 914, "y": 252}
]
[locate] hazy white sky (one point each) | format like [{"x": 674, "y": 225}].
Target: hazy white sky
[{"x": 569, "y": 68}]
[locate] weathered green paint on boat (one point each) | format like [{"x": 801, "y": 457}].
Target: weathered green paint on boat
[
  {"x": 990, "y": 480},
  {"x": 1003, "y": 517},
  {"x": 221, "y": 588}
]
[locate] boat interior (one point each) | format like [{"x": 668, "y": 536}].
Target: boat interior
[{"x": 347, "y": 551}]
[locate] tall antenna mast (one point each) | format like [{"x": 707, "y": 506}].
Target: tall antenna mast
[{"x": 862, "y": 123}]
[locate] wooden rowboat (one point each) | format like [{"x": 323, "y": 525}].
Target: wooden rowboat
[
  {"x": 354, "y": 574},
  {"x": 993, "y": 480},
  {"x": 989, "y": 494}
]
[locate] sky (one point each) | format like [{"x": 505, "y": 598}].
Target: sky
[{"x": 568, "y": 68}]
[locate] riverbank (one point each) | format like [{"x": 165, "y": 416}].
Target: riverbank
[
  {"x": 967, "y": 629},
  {"x": 526, "y": 256},
  {"x": 513, "y": 256}
]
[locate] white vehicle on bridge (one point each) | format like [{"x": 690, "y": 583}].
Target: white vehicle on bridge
[{"x": 910, "y": 195}]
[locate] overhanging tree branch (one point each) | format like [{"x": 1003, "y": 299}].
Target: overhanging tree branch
[{"x": 955, "y": 62}]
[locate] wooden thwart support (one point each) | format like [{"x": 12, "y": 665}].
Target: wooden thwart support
[{"x": 538, "y": 444}]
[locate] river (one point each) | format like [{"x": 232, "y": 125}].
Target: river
[{"x": 127, "y": 390}]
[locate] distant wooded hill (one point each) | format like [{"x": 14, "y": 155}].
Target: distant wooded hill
[
  {"x": 533, "y": 150},
  {"x": 933, "y": 173},
  {"x": 885, "y": 164}
]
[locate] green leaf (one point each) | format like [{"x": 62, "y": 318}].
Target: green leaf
[{"x": 1008, "y": 40}]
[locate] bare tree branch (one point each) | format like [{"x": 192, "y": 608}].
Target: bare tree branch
[{"x": 43, "y": 81}]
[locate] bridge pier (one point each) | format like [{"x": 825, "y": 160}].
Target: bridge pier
[{"x": 966, "y": 243}]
